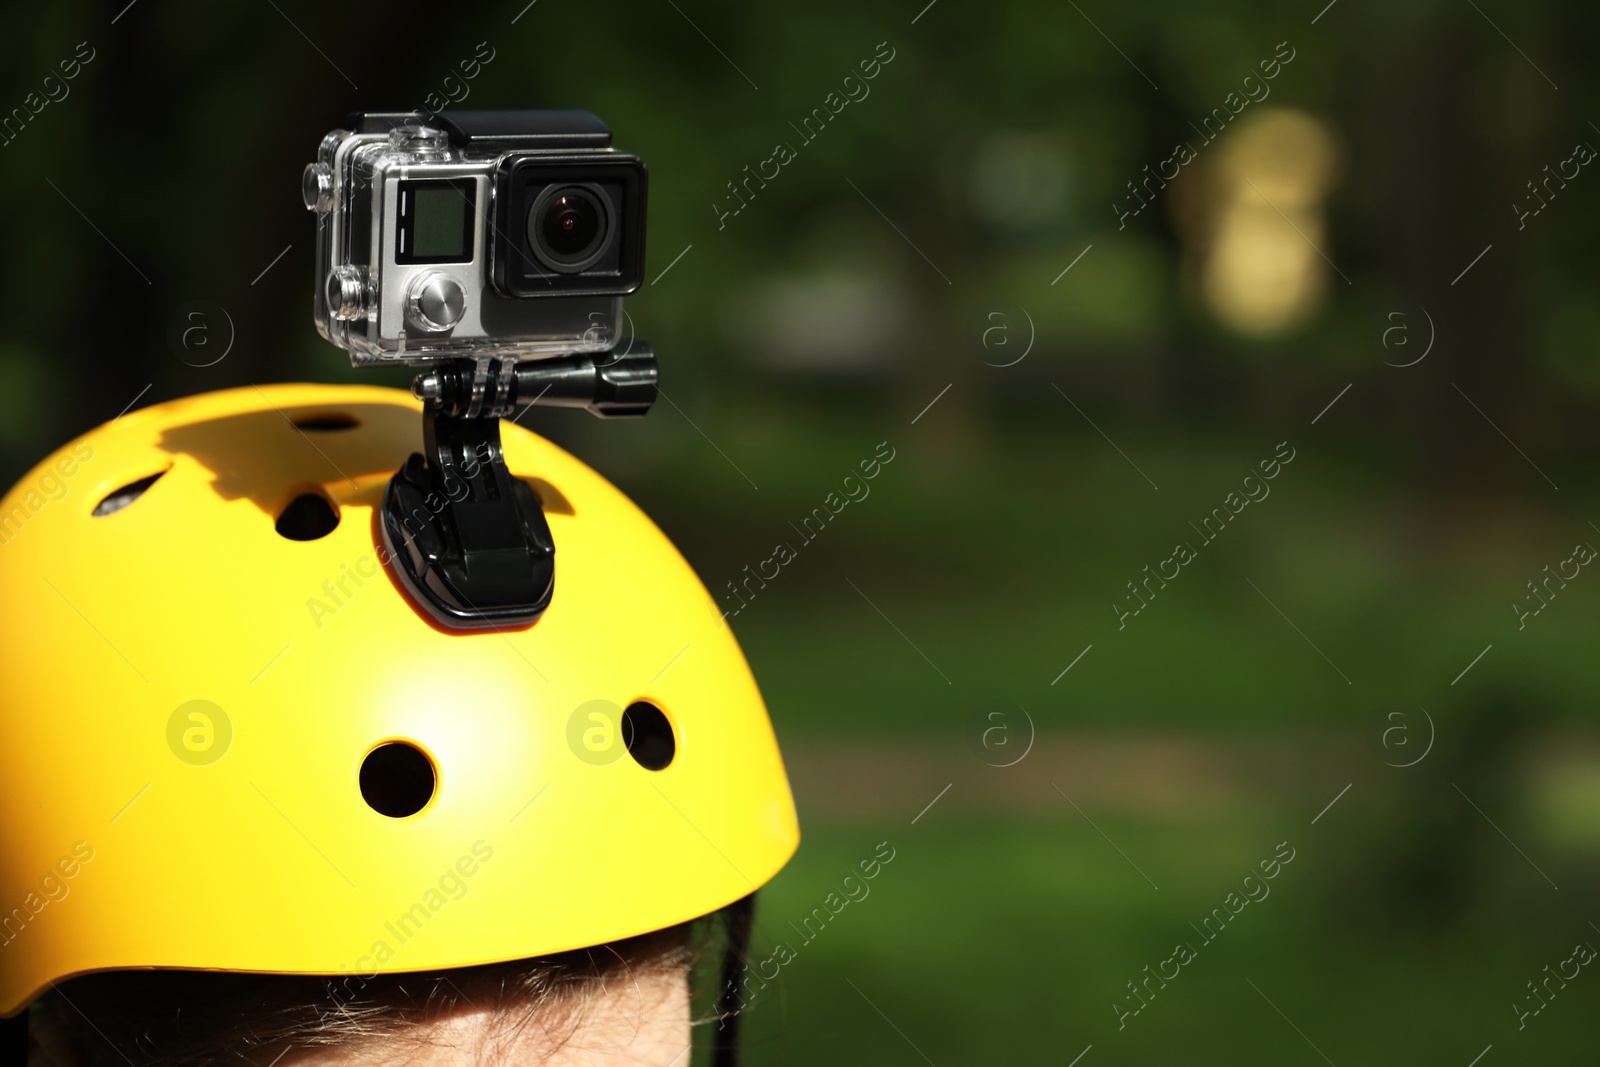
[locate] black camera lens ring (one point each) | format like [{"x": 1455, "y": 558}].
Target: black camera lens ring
[{"x": 604, "y": 239}]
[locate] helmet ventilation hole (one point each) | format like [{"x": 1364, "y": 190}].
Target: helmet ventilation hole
[
  {"x": 121, "y": 498},
  {"x": 648, "y": 735},
  {"x": 308, "y": 517},
  {"x": 397, "y": 779},
  {"x": 326, "y": 422}
]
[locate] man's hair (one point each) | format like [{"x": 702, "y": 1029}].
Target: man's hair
[{"x": 188, "y": 1018}]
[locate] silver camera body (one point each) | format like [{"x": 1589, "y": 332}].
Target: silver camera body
[{"x": 497, "y": 234}]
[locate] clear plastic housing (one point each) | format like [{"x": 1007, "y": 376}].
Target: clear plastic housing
[{"x": 384, "y": 301}]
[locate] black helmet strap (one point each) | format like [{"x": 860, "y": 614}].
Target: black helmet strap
[{"x": 738, "y": 916}]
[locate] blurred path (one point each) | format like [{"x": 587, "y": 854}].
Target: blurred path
[{"x": 1162, "y": 776}]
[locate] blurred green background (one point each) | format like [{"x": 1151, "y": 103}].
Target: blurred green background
[{"x": 1068, "y": 392}]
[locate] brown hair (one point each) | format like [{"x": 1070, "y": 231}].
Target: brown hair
[{"x": 189, "y": 1018}]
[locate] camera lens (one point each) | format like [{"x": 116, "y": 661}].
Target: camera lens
[
  {"x": 569, "y": 227},
  {"x": 571, "y": 223}
]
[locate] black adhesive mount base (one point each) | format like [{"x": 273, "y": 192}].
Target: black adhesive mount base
[{"x": 468, "y": 540}]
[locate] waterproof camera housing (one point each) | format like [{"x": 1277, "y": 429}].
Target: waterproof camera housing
[
  {"x": 511, "y": 235},
  {"x": 491, "y": 250}
]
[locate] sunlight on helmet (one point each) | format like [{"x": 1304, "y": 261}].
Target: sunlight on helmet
[{"x": 1263, "y": 271}]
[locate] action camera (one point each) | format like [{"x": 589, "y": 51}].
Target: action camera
[
  {"x": 491, "y": 250},
  {"x": 510, "y": 234}
]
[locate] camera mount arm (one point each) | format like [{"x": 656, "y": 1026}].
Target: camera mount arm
[
  {"x": 469, "y": 540},
  {"x": 614, "y": 387}
]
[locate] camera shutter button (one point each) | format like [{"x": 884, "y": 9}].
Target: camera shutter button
[{"x": 435, "y": 302}]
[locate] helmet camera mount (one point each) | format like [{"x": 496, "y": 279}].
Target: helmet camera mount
[{"x": 490, "y": 250}]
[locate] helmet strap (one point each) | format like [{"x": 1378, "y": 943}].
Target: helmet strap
[{"x": 738, "y": 916}]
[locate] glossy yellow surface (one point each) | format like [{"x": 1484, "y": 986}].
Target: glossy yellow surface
[{"x": 267, "y": 858}]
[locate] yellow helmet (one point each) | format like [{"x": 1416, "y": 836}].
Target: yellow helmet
[{"x": 235, "y": 744}]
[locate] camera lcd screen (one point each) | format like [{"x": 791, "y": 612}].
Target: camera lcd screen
[{"x": 435, "y": 221}]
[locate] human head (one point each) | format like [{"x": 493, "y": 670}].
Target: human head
[{"x": 626, "y": 1003}]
